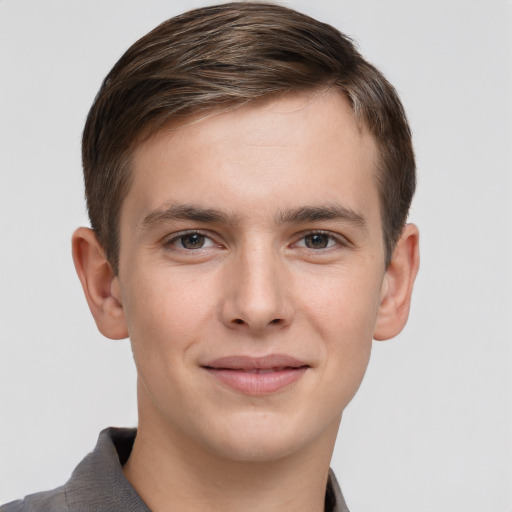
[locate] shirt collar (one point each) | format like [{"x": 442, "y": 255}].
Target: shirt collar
[{"x": 98, "y": 482}]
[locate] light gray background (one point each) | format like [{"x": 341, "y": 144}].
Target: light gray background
[{"x": 431, "y": 427}]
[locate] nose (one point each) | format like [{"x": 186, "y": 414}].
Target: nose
[{"x": 256, "y": 295}]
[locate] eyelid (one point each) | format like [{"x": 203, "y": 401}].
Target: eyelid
[
  {"x": 168, "y": 241},
  {"x": 341, "y": 240},
  {"x": 337, "y": 237}
]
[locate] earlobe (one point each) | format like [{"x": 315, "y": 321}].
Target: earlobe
[
  {"x": 100, "y": 284},
  {"x": 398, "y": 284}
]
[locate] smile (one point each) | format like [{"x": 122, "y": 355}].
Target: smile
[{"x": 257, "y": 375}]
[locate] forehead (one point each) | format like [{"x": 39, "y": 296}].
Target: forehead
[{"x": 303, "y": 148}]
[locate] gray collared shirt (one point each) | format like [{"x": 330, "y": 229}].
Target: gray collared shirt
[{"x": 98, "y": 483}]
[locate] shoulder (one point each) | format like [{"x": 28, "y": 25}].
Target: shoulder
[
  {"x": 48, "y": 501},
  {"x": 97, "y": 483}
]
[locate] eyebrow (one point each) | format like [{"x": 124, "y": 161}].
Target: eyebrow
[
  {"x": 179, "y": 211},
  {"x": 324, "y": 212},
  {"x": 301, "y": 215}
]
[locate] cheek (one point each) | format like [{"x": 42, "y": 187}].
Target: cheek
[
  {"x": 166, "y": 315},
  {"x": 342, "y": 305},
  {"x": 343, "y": 312}
]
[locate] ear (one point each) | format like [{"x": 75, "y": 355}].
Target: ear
[
  {"x": 397, "y": 285},
  {"x": 100, "y": 284}
]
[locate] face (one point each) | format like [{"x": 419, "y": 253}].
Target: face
[{"x": 251, "y": 273}]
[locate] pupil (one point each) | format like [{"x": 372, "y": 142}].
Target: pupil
[
  {"x": 193, "y": 241},
  {"x": 316, "y": 241}
]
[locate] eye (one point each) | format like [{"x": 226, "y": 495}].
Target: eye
[
  {"x": 317, "y": 240},
  {"x": 191, "y": 241}
]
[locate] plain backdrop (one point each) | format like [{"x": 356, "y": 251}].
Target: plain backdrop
[{"x": 431, "y": 427}]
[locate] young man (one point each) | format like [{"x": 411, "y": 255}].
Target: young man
[{"x": 248, "y": 177}]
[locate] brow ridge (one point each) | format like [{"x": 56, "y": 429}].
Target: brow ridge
[
  {"x": 324, "y": 212},
  {"x": 180, "y": 211},
  {"x": 301, "y": 215}
]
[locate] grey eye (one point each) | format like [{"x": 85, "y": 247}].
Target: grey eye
[{"x": 191, "y": 240}]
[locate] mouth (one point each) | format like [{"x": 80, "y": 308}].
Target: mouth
[{"x": 257, "y": 375}]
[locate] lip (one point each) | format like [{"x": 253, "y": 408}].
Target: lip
[{"x": 257, "y": 375}]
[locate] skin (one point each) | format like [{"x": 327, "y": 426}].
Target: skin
[{"x": 255, "y": 279}]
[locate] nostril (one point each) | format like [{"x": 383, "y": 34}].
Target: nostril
[{"x": 241, "y": 321}]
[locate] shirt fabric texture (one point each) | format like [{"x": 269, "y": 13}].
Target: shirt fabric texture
[{"x": 98, "y": 483}]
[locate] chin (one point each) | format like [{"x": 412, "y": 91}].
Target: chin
[
  {"x": 259, "y": 448},
  {"x": 263, "y": 439}
]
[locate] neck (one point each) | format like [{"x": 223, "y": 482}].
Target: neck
[{"x": 170, "y": 473}]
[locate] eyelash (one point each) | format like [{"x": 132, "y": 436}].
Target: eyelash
[
  {"x": 337, "y": 239},
  {"x": 180, "y": 236}
]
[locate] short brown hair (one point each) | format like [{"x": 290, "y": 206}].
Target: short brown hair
[{"x": 228, "y": 55}]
